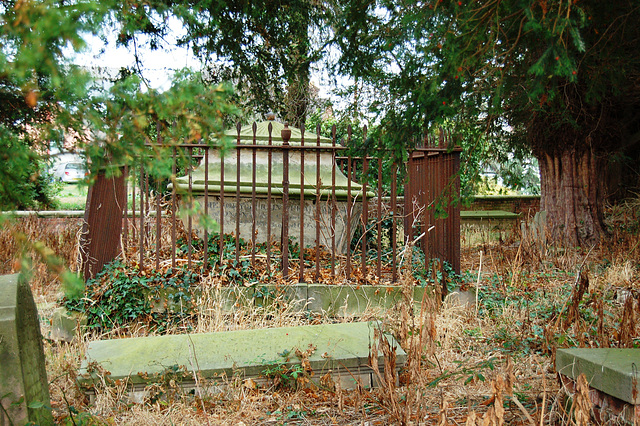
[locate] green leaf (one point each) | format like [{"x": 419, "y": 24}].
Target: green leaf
[{"x": 36, "y": 405}]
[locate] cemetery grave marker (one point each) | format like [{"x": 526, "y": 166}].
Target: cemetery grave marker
[{"x": 24, "y": 389}]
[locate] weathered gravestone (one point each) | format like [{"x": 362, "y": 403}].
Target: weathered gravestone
[{"x": 24, "y": 389}]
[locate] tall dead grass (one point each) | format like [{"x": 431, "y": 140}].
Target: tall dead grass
[
  {"x": 41, "y": 247},
  {"x": 467, "y": 364}
]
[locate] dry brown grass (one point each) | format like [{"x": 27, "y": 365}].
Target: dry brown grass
[
  {"x": 475, "y": 365},
  {"x": 41, "y": 247}
]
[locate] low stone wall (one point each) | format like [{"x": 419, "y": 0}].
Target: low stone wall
[{"x": 523, "y": 204}]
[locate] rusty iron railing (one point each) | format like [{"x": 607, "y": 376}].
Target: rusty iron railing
[{"x": 377, "y": 220}]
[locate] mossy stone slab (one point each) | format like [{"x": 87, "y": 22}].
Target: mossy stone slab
[
  {"x": 269, "y": 294},
  {"x": 488, "y": 215},
  {"x": 227, "y": 298},
  {"x": 337, "y": 300},
  {"x": 614, "y": 371},
  {"x": 65, "y": 324},
  {"x": 338, "y": 347}
]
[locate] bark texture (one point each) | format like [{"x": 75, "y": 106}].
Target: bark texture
[{"x": 573, "y": 184}]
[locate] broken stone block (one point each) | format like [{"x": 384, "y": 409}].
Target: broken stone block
[
  {"x": 612, "y": 374},
  {"x": 65, "y": 325},
  {"x": 24, "y": 389}
]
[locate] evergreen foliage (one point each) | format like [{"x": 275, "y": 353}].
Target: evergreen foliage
[
  {"x": 557, "y": 79},
  {"x": 45, "y": 97},
  {"x": 266, "y": 49}
]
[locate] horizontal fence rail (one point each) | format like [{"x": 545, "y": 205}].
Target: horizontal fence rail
[{"x": 293, "y": 206}]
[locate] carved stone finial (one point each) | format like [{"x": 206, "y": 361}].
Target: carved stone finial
[{"x": 285, "y": 134}]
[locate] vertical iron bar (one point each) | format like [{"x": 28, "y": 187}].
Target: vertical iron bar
[
  {"x": 269, "y": 167},
  {"x": 286, "y": 135},
  {"x": 221, "y": 198},
  {"x": 349, "y": 176},
  {"x": 140, "y": 231},
  {"x": 158, "y": 228},
  {"x": 205, "y": 264},
  {"x": 449, "y": 191},
  {"x": 133, "y": 201},
  {"x": 365, "y": 212},
  {"x": 147, "y": 209},
  {"x": 253, "y": 198},
  {"x": 379, "y": 217},
  {"x": 409, "y": 193},
  {"x": 238, "y": 127},
  {"x": 158, "y": 215},
  {"x": 125, "y": 231},
  {"x": 317, "y": 276},
  {"x": 430, "y": 200},
  {"x": 441, "y": 199},
  {"x": 333, "y": 202},
  {"x": 173, "y": 210},
  {"x": 456, "y": 213},
  {"x": 394, "y": 242},
  {"x": 420, "y": 202},
  {"x": 190, "y": 219},
  {"x": 301, "y": 256}
]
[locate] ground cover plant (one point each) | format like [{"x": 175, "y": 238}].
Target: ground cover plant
[{"x": 487, "y": 361}]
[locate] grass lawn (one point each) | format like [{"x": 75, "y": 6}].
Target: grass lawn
[{"x": 72, "y": 196}]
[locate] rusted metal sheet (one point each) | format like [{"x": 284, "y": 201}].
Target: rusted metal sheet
[
  {"x": 102, "y": 228},
  {"x": 432, "y": 198}
]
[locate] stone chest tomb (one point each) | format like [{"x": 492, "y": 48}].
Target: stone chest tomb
[{"x": 270, "y": 179}]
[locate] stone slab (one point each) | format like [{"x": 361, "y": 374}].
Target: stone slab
[
  {"x": 488, "y": 215},
  {"x": 613, "y": 371},
  {"x": 340, "y": 349},
  {"x": 245, "y": 214},
  {"x": 348, "y": 300},
  {"x": 24, "y": 389},
  {"x": 332, "y": 300}
]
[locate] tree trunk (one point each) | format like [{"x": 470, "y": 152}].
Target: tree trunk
[
  {"x": 573, "y": 196},
  {"x": 297, "y": 100}
]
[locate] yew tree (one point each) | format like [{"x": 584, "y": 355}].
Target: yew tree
[
  {"x": 265, "y": 48},
  {"x": 44, "y": 97},
  {"x": 558, "y": 78}
]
